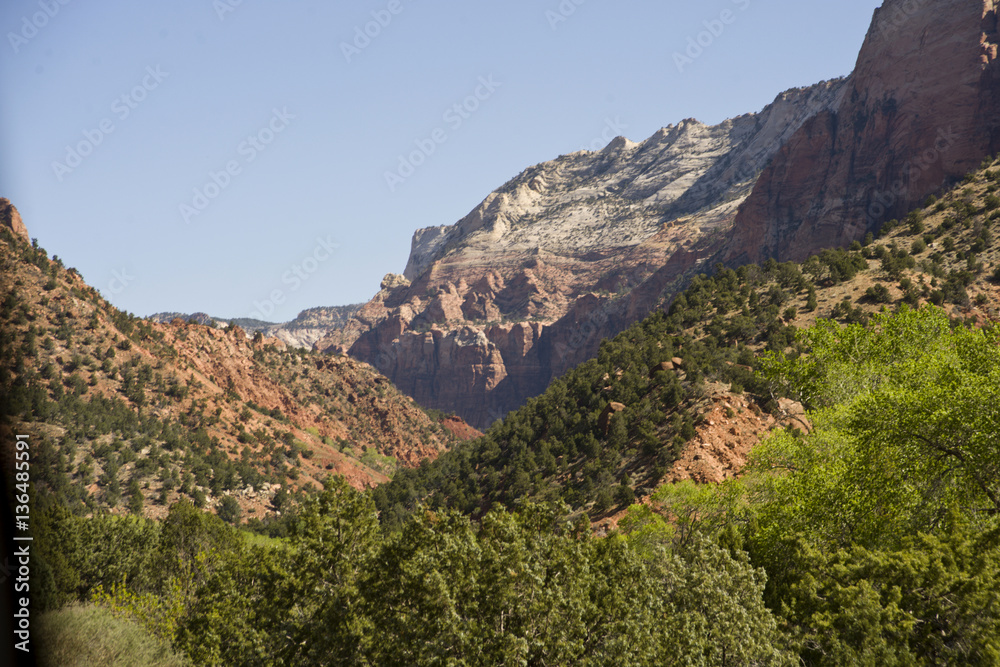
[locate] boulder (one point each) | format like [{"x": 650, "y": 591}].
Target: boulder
[
  {"x": 792, "y": 413},
  {"x": 663, "y": 366},
  {"x": 604, "y": 421}
]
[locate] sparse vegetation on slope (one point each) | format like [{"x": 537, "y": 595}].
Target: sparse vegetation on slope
[{"x": 129, "y": 415}]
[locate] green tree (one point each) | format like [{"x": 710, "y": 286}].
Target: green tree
[
  {"x": 189, "y": 542},
  {"x": 229, "y": 510},
  {"x": 119, "y": 550},
  {"x": 907, "y": 429},
  {"x": 335, "y": 539},
  {"x": 510, "y": 591},
  {"x": 135, "y": 498},
  {"x": 235, "y": 616},
  {"x": 811, "y": 303},
  {"x": 932, "y": 601},
  {"x": 57, "y": 558},
  {"x": 719, "y": 616}
]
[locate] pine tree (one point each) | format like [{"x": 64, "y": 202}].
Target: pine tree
[{"x": 135, "y": 501}]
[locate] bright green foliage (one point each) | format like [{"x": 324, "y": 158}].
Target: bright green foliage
[
  {"x": 916, "y": 430},
  {"x": 847, "y": 361},
  {"x": 646, "y": 531},
  {"x": 877, "y": 529},
  {"x": 234, "y": 617},
  {"x": 159, "y": 615},
  {"x": 333, "y": 543},
  {"x": 936, "y": 419},
  {"x": 809, "y": 485}
]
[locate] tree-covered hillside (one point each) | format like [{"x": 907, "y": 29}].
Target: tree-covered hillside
[
  {"x": 129, "y": 415},
  {"x": 874, "y": 539},
  {"x": 870, "y": 537},
  {"x": 558, "y": 447}
]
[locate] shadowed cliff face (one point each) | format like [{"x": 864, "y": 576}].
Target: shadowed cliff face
[{"x": 921, "y": 109}]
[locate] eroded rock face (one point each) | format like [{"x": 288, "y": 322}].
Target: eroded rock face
[
  {"x": 10, "y": 218},
  {"x": 564, "y": 255},
  {"x": 921, "y": 109},
  {"x": 583, "y": 246}
]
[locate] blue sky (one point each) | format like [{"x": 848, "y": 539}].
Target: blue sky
[{"x": 231, "y": 156}]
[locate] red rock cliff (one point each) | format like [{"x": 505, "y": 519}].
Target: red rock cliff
[{"x": 921, "y": 109}]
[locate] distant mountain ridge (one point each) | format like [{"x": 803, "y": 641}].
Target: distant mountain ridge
[{"x": 308, "y": 327}]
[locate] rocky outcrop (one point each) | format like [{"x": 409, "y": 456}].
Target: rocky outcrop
[
  {"x": 457, "y": 427},
  {"x": 11, "y": 219},
  {"x": 609, "y": 411},
  {"x": 921, "y": 109},
  {"x": 730, "y": 427}
]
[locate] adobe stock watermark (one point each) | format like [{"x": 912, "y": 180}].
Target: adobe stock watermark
[
  {"x": 120, "y": 280},
  {"x": 883, "y": 200},
  {"x": 363, "y": 35},
  {"x": 900, "y": 14},
  {"x": 248, "y": 150},
  {"x": 30, "y": 25},
  {"x": 454, "y": 116},
  {"x": 562, "y": 12},
  {"x": 714, "y": 28},
  {"x": 224, "y": 7},
  {"x": 613, "y": 127},
  {"x": 122, "y": 107},
  {"x": 295, "y": 277}
]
